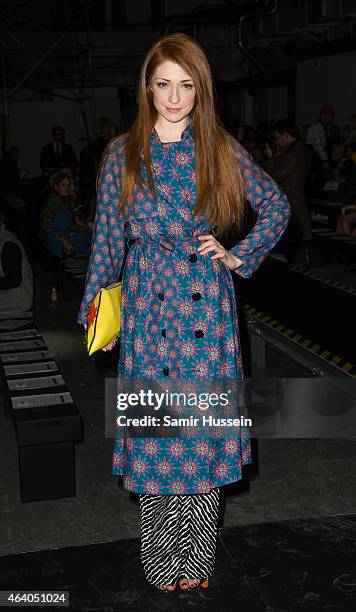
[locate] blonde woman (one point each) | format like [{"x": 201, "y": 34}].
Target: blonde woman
[{"x": 172, "y": 186}]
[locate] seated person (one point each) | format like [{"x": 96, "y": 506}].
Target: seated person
[
  {"x": 346, "y": 173},
  {"x": 346, "y": 224},
  {"x": 78, "y": 209},
  {"x": 16, "y": 278},
  {"x": 65, "y": 233}
]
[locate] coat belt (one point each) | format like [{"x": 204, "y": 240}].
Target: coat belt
[{"x": 163, "y": 241}]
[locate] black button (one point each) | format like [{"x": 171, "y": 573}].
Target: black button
[
  {"x": 161, "y": 295},
  {"x": 193, "y": 258},
  {"x": 196, "y": 296},
  {"x": 199, "y": 333},
  {"x": 163, "y": 333},
  {"x": 166, "y": 371}
]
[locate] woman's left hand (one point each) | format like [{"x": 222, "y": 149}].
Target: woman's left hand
[
  {"x": 211, "y": 244},
  {"x": 111, "y": 344}
]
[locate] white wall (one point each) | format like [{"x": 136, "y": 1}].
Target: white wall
[
  {"x": 31, "y": 123},
  {"x": 327, "y": 80}
]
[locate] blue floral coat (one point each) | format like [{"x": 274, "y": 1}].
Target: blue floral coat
[{"x": 178, "y": 312}]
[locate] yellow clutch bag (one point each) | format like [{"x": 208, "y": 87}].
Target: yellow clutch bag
[{"x": 103, "y": 317}]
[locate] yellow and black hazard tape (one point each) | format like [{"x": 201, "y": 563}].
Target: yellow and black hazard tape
[
  {"x": 323, "y": 279},
  {"x": 308, "y": 344},
  {"x": 318, "y": 277}
]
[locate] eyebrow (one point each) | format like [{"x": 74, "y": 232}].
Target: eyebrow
[{"x": 169, "y": 80}]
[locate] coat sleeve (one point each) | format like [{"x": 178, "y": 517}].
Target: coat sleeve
[
  {"x": 273, "y": 213},
  {"x": 108, "y": 243}
]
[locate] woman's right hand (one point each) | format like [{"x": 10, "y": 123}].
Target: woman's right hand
[{"x": 111, "y": 344}]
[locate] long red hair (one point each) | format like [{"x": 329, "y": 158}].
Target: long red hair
[{"x": 218, "y": 178}]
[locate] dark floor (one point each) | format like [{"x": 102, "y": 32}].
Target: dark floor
[
  {"x": 273, "y": 555},
  {"x": 307, "y": 564}
]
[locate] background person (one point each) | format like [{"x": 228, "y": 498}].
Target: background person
[
  {"x": 64, "y": 232},
  {"x": 319, "y": 137},
  {"x": 57, "y": 153},
  {"x": 346, "y": 224},
  {"x": 290, "y": 167},
  {"x": 16, "y": 277},
  {"x": 89, "y": 162}
]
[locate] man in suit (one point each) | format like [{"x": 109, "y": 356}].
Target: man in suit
[{"x": 57, "y": 153}]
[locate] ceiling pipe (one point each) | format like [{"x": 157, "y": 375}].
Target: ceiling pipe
[
  {"x": 240, "y": 30},
  {"x": 238, "y": 6},
  {"x": 241, "y": 45},
  {"x": 225, "y": 18},
  {"x": 225, "y": 8},
  {"x": 45, "y": 55},
  {"x": 274, "y": 8},
  {"x": 206, "y": 15}
]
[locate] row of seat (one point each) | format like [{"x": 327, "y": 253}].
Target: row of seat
[
  {"x": 324, "y": 216},
  {"x": 46, "y": 419}
]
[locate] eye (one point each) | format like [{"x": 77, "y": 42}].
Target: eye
[
  {"x": 188, "y": 85},
  {"x": 159, "y": 85}
]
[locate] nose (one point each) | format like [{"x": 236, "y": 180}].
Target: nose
[{"x": 174, "y": 94}]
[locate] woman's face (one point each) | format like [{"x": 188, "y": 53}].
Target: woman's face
[
  {"x": 63, "y": 188},
  {"x": 173, "y": 92}
]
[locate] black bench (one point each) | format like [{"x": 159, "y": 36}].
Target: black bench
[
  {"x": 46, "y": 419},
  {"x": 332, "y": 210},
  {"x": 330, "y": 244}
]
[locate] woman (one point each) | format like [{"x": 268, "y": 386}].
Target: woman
[
  {"x": 178, "y": 318},
  {"x": 64, "y": 231}
]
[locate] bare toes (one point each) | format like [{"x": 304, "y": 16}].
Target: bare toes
[{"x": 184, "y": 584}]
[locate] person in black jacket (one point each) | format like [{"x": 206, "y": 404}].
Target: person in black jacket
[
  {"x": 89, "y": 162},
  {"x": 290, "y": 166},
  {"x": 57, "y": 153}
]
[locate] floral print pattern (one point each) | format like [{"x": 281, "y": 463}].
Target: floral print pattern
[{"x": 178, "y": 311}]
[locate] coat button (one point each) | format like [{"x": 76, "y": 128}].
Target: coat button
[
  {"x": 161, "y": 296},
  {"x": 196, "y": 296},
  {"x": 199, "y": 333},
  {"x": 166, "y": 371},
  {"x": 193, "y": 258},
  {"x": 163, "y": 333}
]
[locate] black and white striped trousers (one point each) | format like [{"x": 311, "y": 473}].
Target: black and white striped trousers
[{"x": 178, "y": 536}]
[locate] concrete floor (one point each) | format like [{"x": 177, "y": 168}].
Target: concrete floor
[{"x": 295, "y": 479}]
